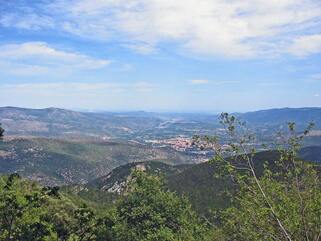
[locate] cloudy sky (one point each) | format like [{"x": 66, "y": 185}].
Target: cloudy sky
[{"x": 160, "y": 55}]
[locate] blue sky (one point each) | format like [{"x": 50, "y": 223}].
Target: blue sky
[{"x": 160, "y": 55}]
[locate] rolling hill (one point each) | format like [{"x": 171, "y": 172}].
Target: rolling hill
[
  {"x": 301, "y": 116},
  {"x": 141, "y": 126},
  {"x": 54, "y": 122},
  {"x": 60, "y": 162},
  {"x": 195, "y": 181}
]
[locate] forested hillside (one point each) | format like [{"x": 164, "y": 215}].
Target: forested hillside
[
  {"x": 135, "y": 203},
  {"x": 196, "y": 181},
  {"x": 60, "y": 162}
]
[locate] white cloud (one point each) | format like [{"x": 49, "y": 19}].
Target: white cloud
[
  {"x": 144, "y": 87},
  {"x": 199, "y": 81},
  {"x": 30, "y": 21},
  {"x": 306, "y": 45},
  {"x": 34, "y": 58},
  {"x": 316, "y": 76},
  {"x": 212, "y": 82},
  {"x": 21, "y": 69},
  {"x": 237, "y": 28},
  {"x": 111, "y": 95},
  {"x": 142, "y": 48},
  {"x": 67, "y": 88},
  {"x": 225, "y": 82}
]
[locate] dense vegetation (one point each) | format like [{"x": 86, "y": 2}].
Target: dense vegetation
[
  {"x": 148, "y": 211},
  {"x": 195, "y": 181},
  {"x": 62, "y": 162},
  {"x": 281, "y": 204},
  {"x": 1, "y": 132}
]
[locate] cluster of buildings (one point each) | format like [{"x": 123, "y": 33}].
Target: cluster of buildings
[{"x": 177, "y": 143}]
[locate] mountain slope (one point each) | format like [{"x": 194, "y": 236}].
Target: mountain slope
[
  {"x": 54, "y": 122},
  {"x": 311, "y": 153},
  {"x": 59, "y": 162},
  {"x": 301, "y": 116},
  {"x": 195, "y": 181}
]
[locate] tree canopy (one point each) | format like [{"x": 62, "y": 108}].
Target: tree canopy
[
  {"x": 149, "y": 212},
  {"x": 1, "y": 132}
]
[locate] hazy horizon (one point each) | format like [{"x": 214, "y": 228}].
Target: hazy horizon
[{"x": 204, "y": 112}]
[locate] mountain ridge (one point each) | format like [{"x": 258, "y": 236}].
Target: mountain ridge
[
  {"x": 138, "y": 125},
  {"x": 196, "y": 181}
]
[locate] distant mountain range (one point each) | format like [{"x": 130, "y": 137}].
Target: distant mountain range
[
  {"x": 53, "y": 122},
  {"x": 301, "y": 116}
]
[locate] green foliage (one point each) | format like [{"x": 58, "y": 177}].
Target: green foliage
[
  {"x": 1, "y": 132},
  {"x": 21, "y": 215},
  {"x": 283, "y": 203},
  {"x": 31, "y": 212},
  {"x": 298, "y": 208},
  {"x": 150, "y": 212},
  {"x": 87, "y": 226}
]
